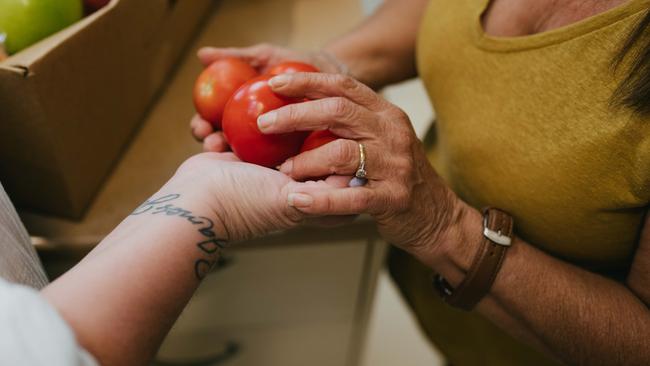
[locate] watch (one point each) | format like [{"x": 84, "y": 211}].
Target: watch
[{"x": 497, "y": 238}]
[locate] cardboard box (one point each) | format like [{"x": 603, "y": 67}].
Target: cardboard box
[{"x": 70, "y": 103}]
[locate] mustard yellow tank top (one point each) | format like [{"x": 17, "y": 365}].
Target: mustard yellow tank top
[{"x": 526, "y": 124}]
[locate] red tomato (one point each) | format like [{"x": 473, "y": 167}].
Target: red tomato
[
  {"x": 290, "y": 67},
  {"x": 216, "y": 85},
  {"x": 317, "y": 139},
  {"x": 253, "y": 99}
]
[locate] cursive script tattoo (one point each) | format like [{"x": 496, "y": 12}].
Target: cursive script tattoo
[{"x": 211, "y": 244}]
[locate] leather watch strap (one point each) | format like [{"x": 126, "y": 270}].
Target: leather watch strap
[{"x": 497, "y": 237}]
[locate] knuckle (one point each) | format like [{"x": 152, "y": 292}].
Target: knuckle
[
  {"x": 304, "y": 166},
  {"x": 401, "y": 198},
  {"x": 402, "y": 134},
  {"x": 288, "y": 114},
  {"x": 312, "y": 80},
  {"x": 361, "y": 201},
  {"x": 340, "y": 108},
  {"x": 287, "y": 117},
  {"x": 346, "y": 82},
  {"x": 342, "y": 154},
  {"x": 398, "y": 113},
  {"x": 403, "y": 166},
  {"x": 327, "y": 204}
]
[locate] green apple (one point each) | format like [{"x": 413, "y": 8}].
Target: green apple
[{"x": 24, "y": 22}]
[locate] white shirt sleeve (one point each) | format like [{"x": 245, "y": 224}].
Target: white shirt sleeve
[
  {"x": 33, "y": 333},
  {"x": 18, "y": 260}
]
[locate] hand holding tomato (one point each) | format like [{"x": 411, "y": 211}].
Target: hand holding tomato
[
  {"x": 240, "y": 125},
  {"x": 241, "y": 116},
  {"x": 248, "y": 199},
  {"x": 216, "y": 84},
  {"x": 402, "y": 187},
  {"x": 263, "y": 58}
]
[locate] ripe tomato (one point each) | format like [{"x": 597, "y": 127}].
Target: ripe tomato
[
  {"x": 215, "y": 86},
  {"x": 290, "y": 67},
  {"x": 317, "y": 139},
  {"x": 253, "y": 99}
]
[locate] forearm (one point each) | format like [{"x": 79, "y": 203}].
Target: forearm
[
  {"x": 381, "y": 50},
  {"x": 123, "y": 298},
  {"x": 577, "y": 316}
]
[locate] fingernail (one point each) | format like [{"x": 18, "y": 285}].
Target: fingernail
[
  {"x": 287, "y": 167},
  {"x": 266, "y": 120},
  {"x": 204, "y": 50},
  {"x": 279, "y": 81},
  {"x": 299, "y": 200}
]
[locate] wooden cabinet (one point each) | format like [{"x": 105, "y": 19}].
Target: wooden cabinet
[
  {"x": 314, "y": 344},
  {"x": 315, "y": 282},
  {"x": 284, "y": 306}
]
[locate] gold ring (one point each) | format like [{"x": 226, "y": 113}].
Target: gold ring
[{"x": 361, "y": 171}]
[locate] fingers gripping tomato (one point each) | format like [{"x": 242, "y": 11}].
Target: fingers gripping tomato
[
  {"x": 317, "y": 139},
  {"x": 253, "y": 99},
  {"x": 216, "y": 85}
]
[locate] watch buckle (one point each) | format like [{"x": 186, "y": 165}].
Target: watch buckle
[{"x": 495, "y": 236}]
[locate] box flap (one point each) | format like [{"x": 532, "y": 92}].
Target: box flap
[{"x": 21, "y": 123}]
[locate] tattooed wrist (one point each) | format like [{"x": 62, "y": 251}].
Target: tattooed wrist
[{"x": 209, "y": 247}]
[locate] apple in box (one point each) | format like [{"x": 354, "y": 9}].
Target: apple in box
[{"x": 25, "y": 22}]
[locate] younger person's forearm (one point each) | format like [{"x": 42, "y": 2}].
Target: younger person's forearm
[{"x": 123, "y": 298}]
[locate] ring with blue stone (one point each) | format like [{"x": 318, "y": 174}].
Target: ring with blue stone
[
  {"x": 357, "y": 182},
  {"x": 360, "y": 177}
]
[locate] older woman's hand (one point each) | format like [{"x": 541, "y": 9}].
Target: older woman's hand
[
  {"x": 262, "y": 57},
  {"x": 410, "y": 202}
]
